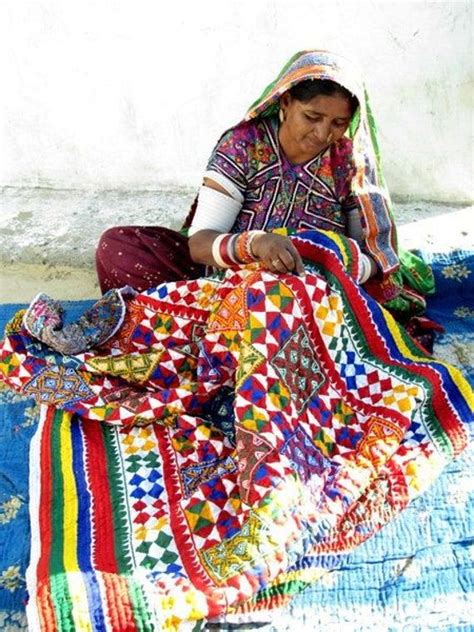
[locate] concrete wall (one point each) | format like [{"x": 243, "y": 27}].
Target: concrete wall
[{"x": 132, "y": 95}]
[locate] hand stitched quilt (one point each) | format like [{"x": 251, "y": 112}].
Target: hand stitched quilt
[{"x": 231, "y": 430}]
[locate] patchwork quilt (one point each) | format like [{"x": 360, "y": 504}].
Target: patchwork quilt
[{"x": 232, "y": 442}]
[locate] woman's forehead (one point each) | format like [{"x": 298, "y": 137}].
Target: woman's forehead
[{"x": 334, "y": 105}]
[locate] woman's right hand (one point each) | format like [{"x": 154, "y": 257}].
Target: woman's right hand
[{"x": 277, "y": 253}]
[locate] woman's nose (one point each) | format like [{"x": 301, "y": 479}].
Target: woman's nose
[{"x": 322, "y": 132}]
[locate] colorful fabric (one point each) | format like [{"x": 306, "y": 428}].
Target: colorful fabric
[
  {"x": 44, "y": 320},
  {"x": 292, "y": 419},
  {"x": 277, "y": 193},
  {"x": 368, "y": 185},
  {"x": 416, "y": 574},
  {"x": 18, "y": 422},
  {"x": 413, "y": 571}
]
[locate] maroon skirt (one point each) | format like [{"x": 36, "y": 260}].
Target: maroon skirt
[{"x": 143, "y": 257}]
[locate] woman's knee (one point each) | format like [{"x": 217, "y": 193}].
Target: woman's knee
[{"x": 112, "y": 237}]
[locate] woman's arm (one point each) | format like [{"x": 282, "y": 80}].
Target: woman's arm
[
  {"x": 200, "y": 243},
  {"x": 276, "y": 252},
  {"x": 200, "y": 247}
]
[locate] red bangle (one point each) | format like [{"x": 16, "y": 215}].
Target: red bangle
[
  {"x": 242, "y": 247},
  {"x": 224, "y": 251}
]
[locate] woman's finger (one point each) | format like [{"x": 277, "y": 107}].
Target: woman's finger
[
  {"x": 299, "y": 265},
  {"x": 276, "y": 264},
  {"x": 292, "y": 260},
  {"x": 296, "y": 260},
  {"x": 287, "y": 258}
]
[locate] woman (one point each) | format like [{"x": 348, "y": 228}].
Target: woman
[
  {"x": 304, "y": 157},
  {"x": 286, "y": 416}
]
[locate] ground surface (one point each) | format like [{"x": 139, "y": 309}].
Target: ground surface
[{"x": 48, "y": 237}]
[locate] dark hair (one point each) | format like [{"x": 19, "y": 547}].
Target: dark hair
[{"x": 310, "y": 88}]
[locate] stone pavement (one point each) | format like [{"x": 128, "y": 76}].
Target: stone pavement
[{"x": 48, "y": 236}]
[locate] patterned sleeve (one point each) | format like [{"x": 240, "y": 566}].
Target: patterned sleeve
[
  {"x": 355, "y": 219},
  {"x": 344, "y": 170},
  {"x": 230, "y": 157}
]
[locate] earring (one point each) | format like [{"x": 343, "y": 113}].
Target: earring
[{"x": 281, "y": 115}]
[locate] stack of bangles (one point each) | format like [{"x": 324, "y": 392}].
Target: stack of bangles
[{"x": 233, "y": 249}]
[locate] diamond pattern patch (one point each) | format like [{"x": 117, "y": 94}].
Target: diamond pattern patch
[{"x": 297, "y": 366}]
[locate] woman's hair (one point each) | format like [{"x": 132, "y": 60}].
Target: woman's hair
[{"x": 307, "y": 90}]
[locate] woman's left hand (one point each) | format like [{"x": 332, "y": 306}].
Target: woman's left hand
[{"x": 277, "y": 253}]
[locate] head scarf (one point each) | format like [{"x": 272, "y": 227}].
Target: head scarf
[{"x": 368, "y": 184}]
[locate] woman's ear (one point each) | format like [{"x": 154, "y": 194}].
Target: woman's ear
[{"x": 285, "y": 100}]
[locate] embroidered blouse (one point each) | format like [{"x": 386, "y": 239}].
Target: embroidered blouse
[{"x": 277, "y": 193}]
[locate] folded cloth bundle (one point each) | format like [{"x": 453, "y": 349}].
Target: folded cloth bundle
[{"x": 44, "y": 320}]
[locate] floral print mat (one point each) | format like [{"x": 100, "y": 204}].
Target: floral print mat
[
  {"x": 417, "y": 574},
  {"x": 453, "y": 307}
]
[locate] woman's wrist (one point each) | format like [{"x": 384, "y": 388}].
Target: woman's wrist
[
  {"x": 367, "y": 268},
  {"x": 257, "y": 237},
  {"x": 231, "y": 249},
  {"x": 254, "y": 236}
]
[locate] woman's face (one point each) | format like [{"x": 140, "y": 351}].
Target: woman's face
[{"x": 309, "y": 127}]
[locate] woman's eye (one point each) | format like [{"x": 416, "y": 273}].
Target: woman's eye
[{"x": 312, "y": 118}]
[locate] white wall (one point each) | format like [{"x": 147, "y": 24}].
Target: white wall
[{"x": 133, "y": 94}]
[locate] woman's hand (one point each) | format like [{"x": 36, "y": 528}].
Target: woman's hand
[{"x": 277, "y": 253}]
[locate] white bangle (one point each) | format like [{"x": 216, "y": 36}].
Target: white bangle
[{"x": 365, "y": 268}]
